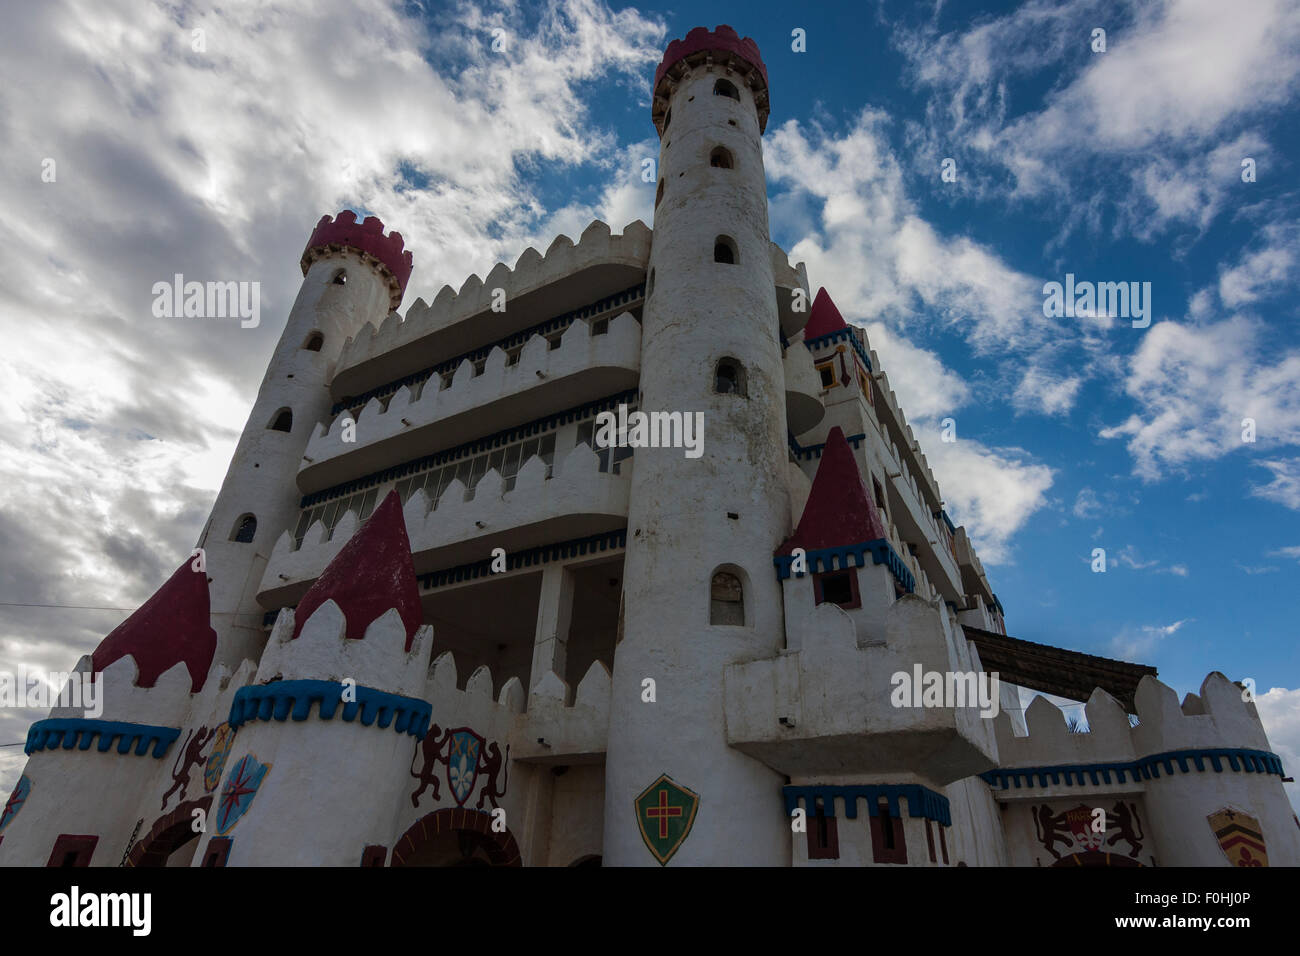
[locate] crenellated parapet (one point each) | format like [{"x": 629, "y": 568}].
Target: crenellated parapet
[
  {"x": 386, "y": 252},
  {"x": 545, "y": 374},
  {"x": 1215, "y": 732},
  {"x": 558, "y": 730},
  {"x": 619, "y": 259},
  {"x": 456, "y": 529}
]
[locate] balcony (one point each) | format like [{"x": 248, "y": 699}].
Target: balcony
[
  {"x": 539, "y": 287},
  {"x": 575, "y": 500},
  {"x": 827, "y": 706},
  {"x": 787, "y": 279},
  {"x": 547, "y": 376}
]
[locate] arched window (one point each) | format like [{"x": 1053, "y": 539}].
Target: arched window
[
  {"x": 650, "y": 284},
  {"x": 668, "y": 118},
  {"x": 726, "y": 599},
  {"x": 726, "y": 88},
  {"x": 659, "y": 194},
  {"x": 724, "y": 250},
  {"x": 729, "y": 378},
  {"x": 314, "y": 342},
  {"x": 282, "y": 422},
  {"x": 244, "y": 530},
  {"x": 720, "y": 158},
  {"x": 340, "y": 277}
]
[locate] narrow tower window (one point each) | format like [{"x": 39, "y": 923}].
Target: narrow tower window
[
  {"x": 726, "y": 599},
  {"x": 283, "y": 421},
  {"x": 726, "y": 88},
  {"x": 668, "y": 118},
  {"x": 650, "y": 284},
  {"x": 314, "y": 342},
  {"x": 720, "y": 158},
  {"x": 244, "y": 530},
  {"x": 729, "y": 378},
  {"x": 724, "y": 250},
  {"x": 659, "y": 194},
  {"x": 340, "y": 277}
]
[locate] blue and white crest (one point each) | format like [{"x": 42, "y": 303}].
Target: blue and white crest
[
  {"x": 238, "y": 793},
  {"x": 462, "y": 763}
]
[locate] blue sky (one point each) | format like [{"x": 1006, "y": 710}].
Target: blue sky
[{"x": 1072, "y": 433}]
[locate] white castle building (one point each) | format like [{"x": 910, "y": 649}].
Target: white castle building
[{"x": 438, "y": 617}]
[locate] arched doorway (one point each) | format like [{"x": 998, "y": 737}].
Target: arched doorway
[
  {"x": 455, "y": 838},
  {"x": 169, "y": 835},
  {"x": 1096, "y": 858}
]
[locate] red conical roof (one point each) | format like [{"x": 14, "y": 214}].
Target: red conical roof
[
  {"x": 371, "y": 574},
  {"x": 825, "y": 318},
  {"x": 839, "y": 512},
  {"x": 172, "y": 626}
]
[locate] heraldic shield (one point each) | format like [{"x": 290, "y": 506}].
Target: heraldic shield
[
  {"x": 462, "y": 763},
  {"x": 238, "y": 793},
  {"x": 1240, "y": 836},
  {"x": 665, "y": 813},
  {"x": 222, "y": 740}
]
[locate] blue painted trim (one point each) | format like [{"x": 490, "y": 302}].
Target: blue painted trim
[
  {"x": 80, "y": 732},
  {"x": 837, "y": 559},
  {"x": 830, "y": 338},
  {"x": 1145, "y": 768},
  {"x": 809, "y": 452},
  {"x": 281, "y": 699},
  {"x": 921, "y": 801},
  {"x": 946, "y": 520}
]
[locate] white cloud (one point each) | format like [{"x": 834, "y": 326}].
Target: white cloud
[
  {"x": 1285, "y": 486},
  {"x": 1292, "y": 551},
  {"x": 1137, "y": 643},
  {"x": 1279, "y": 712},
  {"x": 1194, "y": 385},
  {"x": 1086, "y": 504},
  {"x": 992, "y": 491}
]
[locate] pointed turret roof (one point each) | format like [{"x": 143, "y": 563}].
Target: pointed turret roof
[
  {"x": 839, "y": 512},
  {"x": 371, "y": 574},
  {"x": 173, "y": 626},
  {"x": 824, "y": 319}
]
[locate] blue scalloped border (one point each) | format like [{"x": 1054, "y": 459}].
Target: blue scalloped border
[
  {"x": 1144, "y": 768},
  {"x": 80, "y": 733},
  {"x": 282, "y": 699},
  {"x": 837, "y": 559},
  {"x": 921, "y": 801}
]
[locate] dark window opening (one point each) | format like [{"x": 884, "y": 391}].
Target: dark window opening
[
  {"x": 720, "y": 158},
  {"x": 283, "y": 421},
  {"x": 314, "y": 342},
  {"x": 828, "y": 375},
  {"x": 726, "y": 88},
  {"x": 726, "y": 600},
  {"x": 887, "y": 843},
  {"x": 879, "y": 494},
  {"x": 668, "y": 118},
  {"x": 729, "y": 378},
  {"x": 340, "y": 277},
  {"x": 659, "y": 194},
  {"x": 837, "y": 587},
  {"x": 823, "y": 836},
  {"x": 217, "y": 853},
  {"x": 245, "y": 529},
  {"x": 374, "y": 855},
  {"x": 724, "y": 250}
]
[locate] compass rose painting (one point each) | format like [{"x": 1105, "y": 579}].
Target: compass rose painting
[{"x": 237, "y": 795}]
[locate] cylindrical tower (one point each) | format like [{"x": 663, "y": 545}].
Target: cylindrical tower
[
  {"x": 700, "y": 591},
  {"x": 352, "y": 274}
]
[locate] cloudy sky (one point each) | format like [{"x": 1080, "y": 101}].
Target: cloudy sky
[{"x": 213, "y": 153}]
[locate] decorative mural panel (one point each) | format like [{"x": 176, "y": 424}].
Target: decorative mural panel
[
  {"x": 223, "y": 739},
  {"x": 467, "y": 757},
  {"x": 237, "y": 795},
  {"x": 187, "y": 757},
  {"x": 665, "y": 813},
  {"x": 22, "y": 790},
  {"x": 1240, "y": 836},
  {"x": 1083, "y": 840}
]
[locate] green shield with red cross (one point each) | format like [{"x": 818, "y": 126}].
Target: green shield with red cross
[{"x": 665, "y": 813}]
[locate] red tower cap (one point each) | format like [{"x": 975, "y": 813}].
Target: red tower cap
[
  {"x": 725, "y": 45},
  {"x": 343, "y": 232},
  {"x": 824, "y": 319},
  {"x": 171, "y": 627},
  {"x": 371, "y": 574},
  {"x": 839, "y": 512}
]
